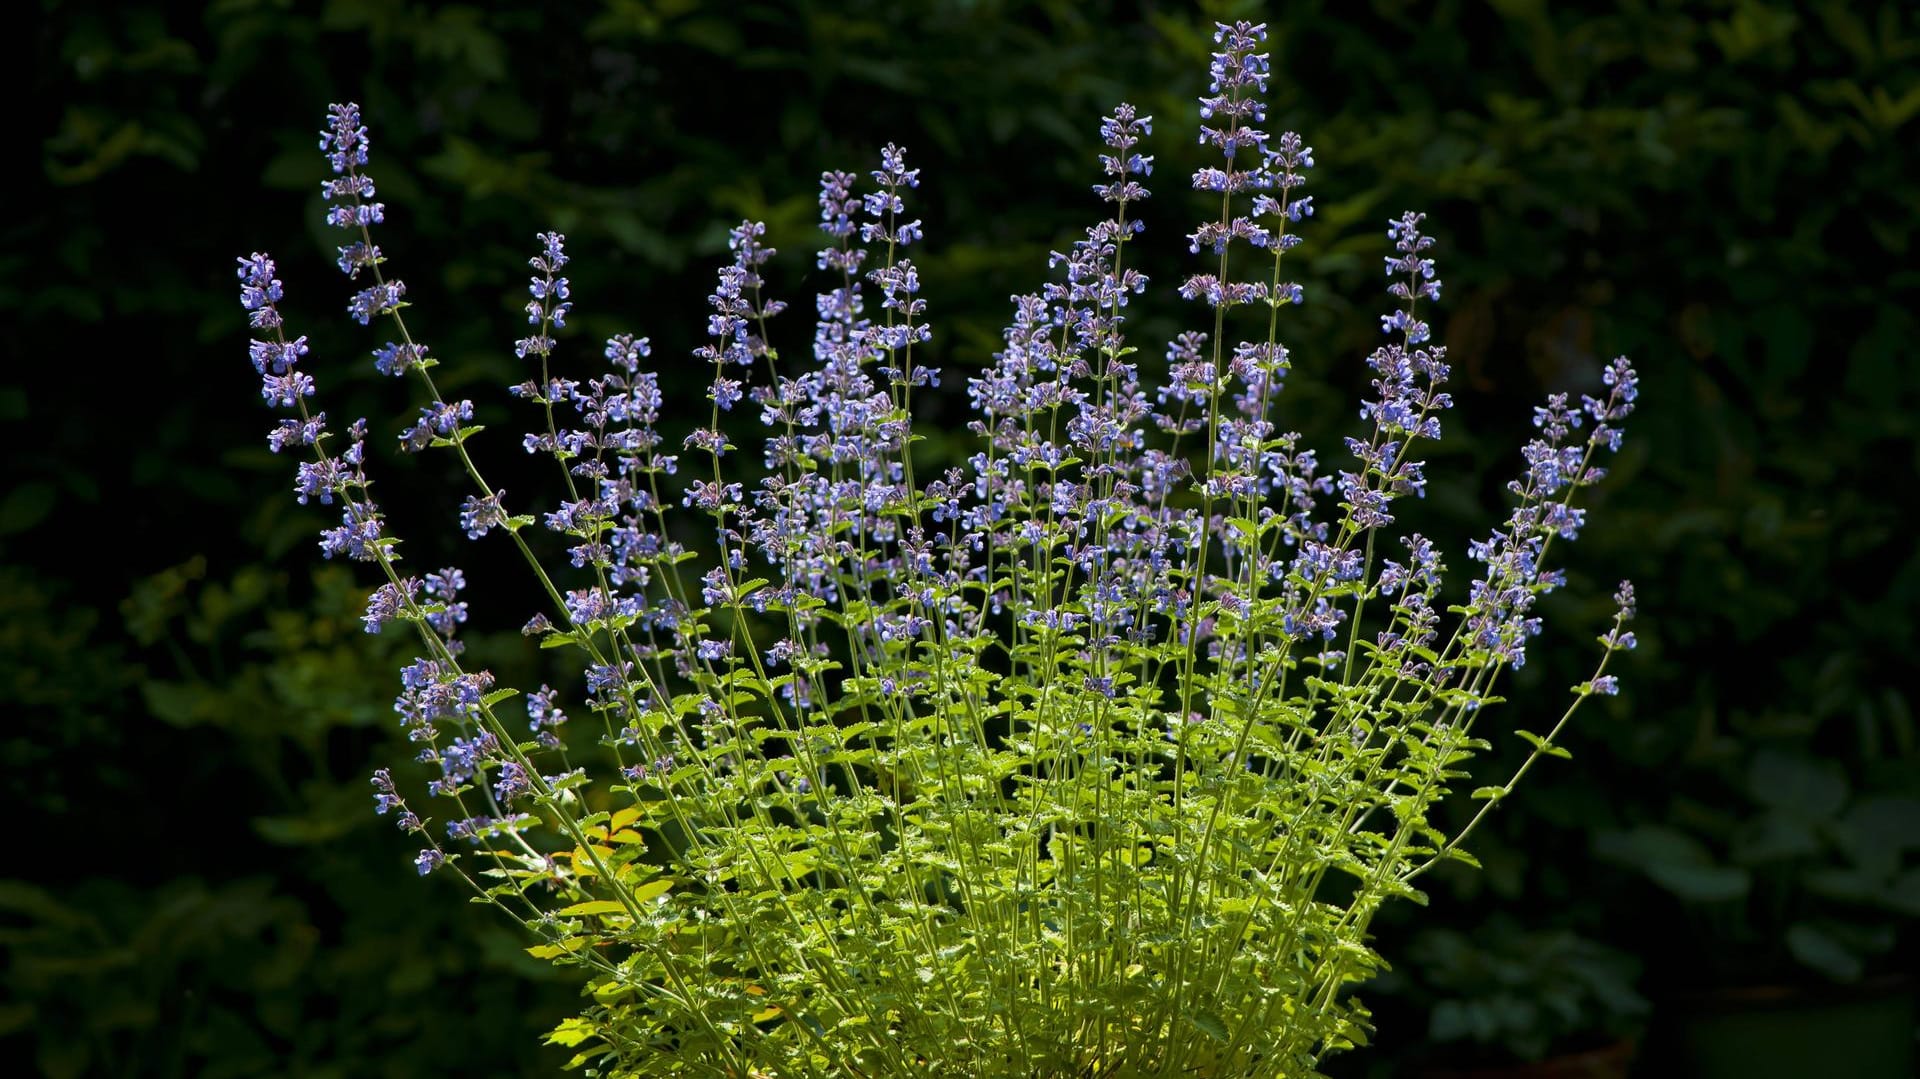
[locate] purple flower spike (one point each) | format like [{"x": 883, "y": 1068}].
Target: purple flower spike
[
  {"x": 1238, "y": 75},
  {"x": 550, "y": 293},
  {"x": 259, "y": 291},
  {"x": 1122, "y": 132},
  {"x": 345, "y": 139},
  {"x": 351, "y": 191}
]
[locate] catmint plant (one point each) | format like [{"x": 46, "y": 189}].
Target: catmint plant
[{"x": 1094, "y": 755}]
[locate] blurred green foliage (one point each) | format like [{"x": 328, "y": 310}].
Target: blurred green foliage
[
  {"x": 1802, "y": 869},
  {"x": 1725, "y": 190},
  {"x": 1495, "y": 992}
]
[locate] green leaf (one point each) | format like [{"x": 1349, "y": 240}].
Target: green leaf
[
  {"x": 549, "y": 951},
  {"x": 651, "y": 890},
  {"x": 1903, "y": 894},
  {"x": 498, "y": 695},
  {"x": 1877, "y": 830},
  {"x": 1796, "y": 784},
  {"x": 26, "y": 505},
  {"x": 1824, "y": 952},
  {"x": 571, "y": 781},
  {"x": 19, "y": 897},
  {"x": 1211, "y": 1025},
  {"x": 1675, "y": 861},
  {"x": 1495, "y": 793},
  {"x": 597, "y": 906},
  {"x": 571, "y": 1032},
  {"x": 460, "y": 434},
  {"x": 1848, "y": 885},
  {"x": 1545, "y": 746},
  {"x": 303, "y": 830},
  {"x": 1773, "y": 837}
]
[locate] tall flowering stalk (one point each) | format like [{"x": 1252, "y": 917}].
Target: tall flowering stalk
[{"x": 1094, "y": 756}]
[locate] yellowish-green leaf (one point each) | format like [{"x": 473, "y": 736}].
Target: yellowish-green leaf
[
  {"x": 548, "y": 951},
  {"x": 570, "y": 1033}
]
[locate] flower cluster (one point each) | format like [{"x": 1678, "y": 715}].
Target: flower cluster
[
  {"x": 1031, "y": 762},
  {"x": 549, "y": 305}
]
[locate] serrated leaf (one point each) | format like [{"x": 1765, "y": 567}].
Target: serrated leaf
[
  {"x": 1545, "y": 746},
  {"x": 549, "y": 951},
  {"x": 459, "y": 435},
  {"x": 571, "y": 781},
  {"x": 570, "y": 1033}
]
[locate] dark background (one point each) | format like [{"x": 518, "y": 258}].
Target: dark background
[{"x": 1725, "y": 192}]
